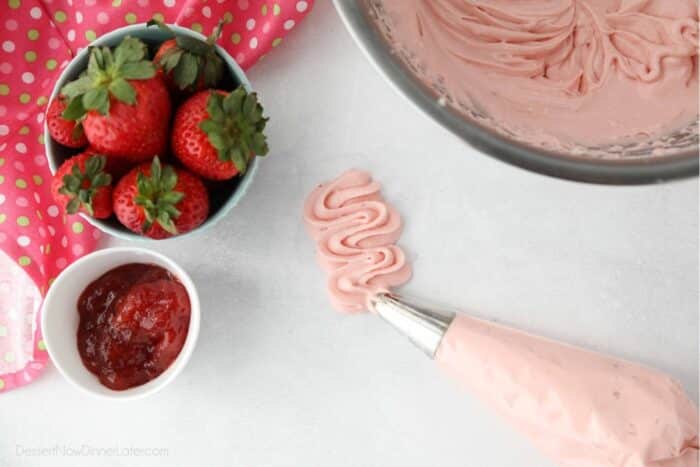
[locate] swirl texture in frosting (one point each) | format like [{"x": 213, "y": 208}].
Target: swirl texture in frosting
[
  {"x": 589, "y": 71},
  {"x": 355, "y": 231}
]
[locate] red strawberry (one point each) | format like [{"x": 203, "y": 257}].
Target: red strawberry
[
  {"x": 215, "y": 133},
  {"x": 160, "y": 202},
  {"x": 125, "y": 107},
  {"x": 69, "y": 133},
  {"x": 81, "y": 184},
  {"x": 188, "y": 64}
]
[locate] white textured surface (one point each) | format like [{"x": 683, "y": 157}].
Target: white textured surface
[{"x": 278, "y": 379}]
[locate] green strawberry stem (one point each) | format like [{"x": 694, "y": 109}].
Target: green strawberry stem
[
  {"x": 81, "y": 186},
  {"x": 235, "y": 126},
  {"x": 192, "y": 58},
  {"x": 107, "y": 74},
  {"x": 157, "y": 196}
]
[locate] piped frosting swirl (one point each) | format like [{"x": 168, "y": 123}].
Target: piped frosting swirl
[{"x": 355, "y": 231}]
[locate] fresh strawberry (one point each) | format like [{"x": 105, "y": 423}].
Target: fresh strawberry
[
  {"x": 69, "y": 133},
  {"x": 216, "y": 133},
  {"x": 124, "y": 105},
  {"x": 81, "y": 184},
  {"x": 160, "y": 202},
  {"x": 188, "y": 64}
]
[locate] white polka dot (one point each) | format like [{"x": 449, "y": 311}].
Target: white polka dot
[
  {"x": 266, "y": 27},
  {"x": 42, "y": 232},
  {"x": 250, "y": 24},
  {"x": 6, "y": 68},
  {"x": 90, "y": 2},
  {"x": 96, "y": 234},
  {"x": 37, "y": 198},
  {"x": 289, "y": 24},
  {"x": 78, "y": 249},
  {"x": 142, "y": 3},
  {"x": 206, "y": 12},
  {"x": 54, "y": 43},
  {"x": 240, "y": 57},
  {"x": 64, "y": 241},
  {"x": 169, "y": 3},
  {"x": 78, "y": 17},
  {"x": 11, "y": 25},
  {"x": 70, "y": 2},
  {"x": 23, "y": 240},
  {"x": 2, "y": 199},
  {"x": 40, "y": 117},
  {"x": 302, "y": 6},
  {"x": 102, "y": 17},
  {"x": 27, "y": 77},
  {"x": 3, "y": 146},
  {"x": 189, "y": 11},
  {"x": 8, "y": 46},
  {"x": 40, "y": 160},
  {"x": 254, "y": 43},
  {"x": 61, "y": 263},
  {"x": 52, "y": 211},
  {"x": 22, "y": 202},
  {"x": 35, "y": 12},
  {"x": 51, "y": 230},
  {"x": 71, "y": 35},
  {"x": 4, "y": 130},
  {"x": 19, "y": 166},
  {"x": 22, "y": 116},
  {"x": 243, "y": 4},
  {"x": 21, "y": 148}
]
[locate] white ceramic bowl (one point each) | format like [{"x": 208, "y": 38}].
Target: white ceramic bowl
[
  {"x": 59, "y": 320},
  {"x": 228, "y": 193}
]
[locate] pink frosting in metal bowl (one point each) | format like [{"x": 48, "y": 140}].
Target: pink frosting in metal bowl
[{"x": 355, "y": 231}]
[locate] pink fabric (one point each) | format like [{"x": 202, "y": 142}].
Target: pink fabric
[{"x": 37, "y": 39}]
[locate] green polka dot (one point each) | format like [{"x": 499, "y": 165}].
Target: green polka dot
[
  {"x": 47, "y": 249},
  {"x": 14, "y": 4},
  {"x": 51, "y": 64},
  {"x": 38, "y": 214},
  {"x": 24, "y": 130},
  {"x": 30, "y": 56},
  {"x": 263, "y": 10},
  {"x": 3, "y": 331},
  {"x": 2, "y": 179},
  {"x": 41, "y": 345},
  {"x": 2, "y": 161},
  {"x": 276, "y": 10},
  {"x": 40, "y": 138},
  {"x": 90, "y": 35},
  {"x": 78, "y": 227},
  {"x": 42, "y": 100},
  {"x": 196, "y": 27},
  {"x": 21, "y": 183},
  {"x": 235, "y": 38},
  {"x": 2, "y": 384},
  {"x": 9, "y": 356},
  {"x": 25, "y": 97},
  {"x": 228, "y": 17},
  {"x": 130, "y": 18},
  {"x": 59, "y": 16},
  {"x": 2, "y": 218},
  {"x": 33, "y": 34},
  {"x": 159, "y": 17},
  {"x": 23, "y": 221},
  {"x": 37, "y": 179},
  {"x": 4, "y": 89},
  {"x": 24, "y": 261},
  {"x": 116, "y": 3},
  {"x": 277, "y": 42}
]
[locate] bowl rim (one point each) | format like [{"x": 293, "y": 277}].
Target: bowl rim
[
  {"x": 183, "y": 357},
  {"x": 599, "y": 171},
  {"x": 235, "y": 197}
]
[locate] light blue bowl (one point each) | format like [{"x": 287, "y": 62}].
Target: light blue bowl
[{"x": 225, "y": 196}]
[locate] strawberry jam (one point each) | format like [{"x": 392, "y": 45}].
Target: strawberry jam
[{"x": 133, "y": 324}]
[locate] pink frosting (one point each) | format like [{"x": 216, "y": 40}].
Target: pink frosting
[
  {"x": 355, "y": 231},
  {"x": 581, "y": 408},
  {"x": 574, "y": 71}
]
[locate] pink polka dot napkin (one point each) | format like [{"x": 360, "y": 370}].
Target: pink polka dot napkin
[{"x": 37, "y": 40}]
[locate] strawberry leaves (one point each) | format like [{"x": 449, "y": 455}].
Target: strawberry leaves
[
  {"x": 235, "y": 127},
  {"x": 107, "y": 76},
  {"x": 157, "y": 197},
  {"x": 81, "y": 185},
  {"x": 192, "y": 61}
]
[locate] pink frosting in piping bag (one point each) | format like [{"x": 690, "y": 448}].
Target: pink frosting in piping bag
[
  {"x": 581, "y": 408},
  {"x": 355, "y": 231}
]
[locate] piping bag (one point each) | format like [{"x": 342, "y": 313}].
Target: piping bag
[{"x": 581, "y": 408}]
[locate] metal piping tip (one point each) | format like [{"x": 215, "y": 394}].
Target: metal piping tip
[{"x": 423, "y": 326}]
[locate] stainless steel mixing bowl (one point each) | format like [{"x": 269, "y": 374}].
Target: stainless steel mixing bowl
[{"x": 674, "y": 156}]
